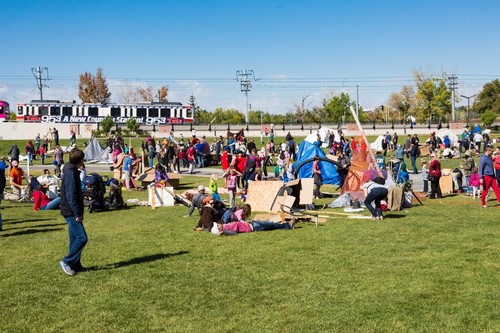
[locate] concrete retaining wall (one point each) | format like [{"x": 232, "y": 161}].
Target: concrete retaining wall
[{"x": 26, "y": 131}]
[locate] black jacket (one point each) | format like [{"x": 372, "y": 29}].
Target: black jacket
[{"x": 71, "y": 192}]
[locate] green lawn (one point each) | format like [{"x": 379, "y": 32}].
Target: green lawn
[{"x": 426, "y": 269}]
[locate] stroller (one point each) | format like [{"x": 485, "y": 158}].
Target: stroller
[{"x": 93, "y": 193}]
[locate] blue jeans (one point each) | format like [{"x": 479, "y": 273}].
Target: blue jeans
[
  {"x": 414, "y": 163},
  {"x": 265, "y": 226},
  {"x": 469, "y": 188},
  {"x": 201, "y": 160},
  {"x": 376, "y": 195},
  {"x": 53, "y": 204},
  {"x": 426, "y": 186},
  {"x": 151, "y": 160},
  {"x": 77, "y": 241}
]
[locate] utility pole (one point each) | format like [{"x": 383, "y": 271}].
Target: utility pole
[
  {"x": 244, "y": 78},
  {"x": 453, "y": 87},
  {"x": 40, "y": 78},
  {"x": 468, "y": 105}
]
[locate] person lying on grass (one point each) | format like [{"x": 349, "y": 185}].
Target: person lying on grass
[
  {"x": 208, "y": 215},
  {"x": 234, "y": 228}
]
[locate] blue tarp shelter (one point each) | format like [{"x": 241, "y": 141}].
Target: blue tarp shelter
[{"x": 306, "y": 153}]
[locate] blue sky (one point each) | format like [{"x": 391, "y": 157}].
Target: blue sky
[{"x": 296, "y": 48}]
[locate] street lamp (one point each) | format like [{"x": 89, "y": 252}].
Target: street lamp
[{"x": 468, "y": 105}]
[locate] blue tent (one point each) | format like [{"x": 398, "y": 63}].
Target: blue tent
[{"x": 307, "y": 152}]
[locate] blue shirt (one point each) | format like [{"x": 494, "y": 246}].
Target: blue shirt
[
  {"x": 486, "y": 166},
  {"x": 127, "y": 163}
]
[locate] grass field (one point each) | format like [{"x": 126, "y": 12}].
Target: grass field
[
  {"x": 431, "y": 268},
  {"x": 426, "y": 269}
]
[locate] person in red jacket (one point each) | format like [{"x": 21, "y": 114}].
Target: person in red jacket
[
  {"x": 42, "y": 201},
  {"x": 435, "y": 172},
  {"x": 239, "y": 165}
]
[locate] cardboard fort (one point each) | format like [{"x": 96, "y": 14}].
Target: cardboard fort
[
  {"x": 149, "y": 176},
  {"x": 263, "y": 196}
]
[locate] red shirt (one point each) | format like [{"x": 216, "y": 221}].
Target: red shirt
[
  {"x": 40, "y": 199},
  {"x": 225, "y": 160},
  {"x": 239, "y": 164},
  {"x": 496, "y": 162}
]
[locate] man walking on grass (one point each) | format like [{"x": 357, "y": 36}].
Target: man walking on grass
[{"x": 72, "y": 210}]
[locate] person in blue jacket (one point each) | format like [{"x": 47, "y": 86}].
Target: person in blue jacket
[{"x": 72, "y": 211}]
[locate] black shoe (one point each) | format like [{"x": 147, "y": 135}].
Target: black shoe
[{"x": 79, "y": 269}]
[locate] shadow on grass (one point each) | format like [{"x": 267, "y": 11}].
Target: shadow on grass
[
  {"x": 137, "y": 261},
  {"x": 39, "y": 226},
  {"x": 394, "y": 216},
  {"x": 24, "y": 221},
  {"x": 30, "y": 232}
]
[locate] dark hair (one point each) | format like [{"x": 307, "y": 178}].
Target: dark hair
[
  {"x": 247, "y": 211},
  {"x": 76, "y": 156}
]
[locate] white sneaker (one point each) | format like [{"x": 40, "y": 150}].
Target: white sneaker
[{"x": 66, "y": 268}]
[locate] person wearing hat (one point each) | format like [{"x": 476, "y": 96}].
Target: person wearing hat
[
  {"x": 197, "y": 201},
  {"x": 208, "y": 215},
  {"x": 16, "y": 182},
  {"x": 468, "y": 165}
]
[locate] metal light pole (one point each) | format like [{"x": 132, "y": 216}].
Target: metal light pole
[
  {"x": 244, "y": 78},
  {"x": 468, "y": 104}
]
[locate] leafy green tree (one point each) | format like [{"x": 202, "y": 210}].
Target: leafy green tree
[
  {"x": 132, "y": 125},
  {"x": 488, "y": 117},
  {"x": 12, "y": 117},
  {"x": 337, "y": 108},
  {"x": 433, "y": 98},
  {"x": 107, "y": 124},
  {"x": 489, "y": 98}
]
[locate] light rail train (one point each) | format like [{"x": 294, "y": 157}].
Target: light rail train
[{"x": 53, "y": 111}]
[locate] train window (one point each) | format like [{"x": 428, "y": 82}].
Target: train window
[
  {"x": 125, "y": 114},
  {"x": 55, "y": 110},
  {"x": 43, "y": 110},
  {"x": 67, "y": 111},
  {"x": 1, "y": 109},
  {"x": 32, "y": 110},
  {"x": 165, "y": 113},
  {"x": 116, "y": 112},
  {"x": 189, "y": 113},
  {"x": 153, "y": 112},
  {"x": 19, "y": 110},
  {"x": 93, "y": 111},
  {"x": 141, "y": 112}
]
